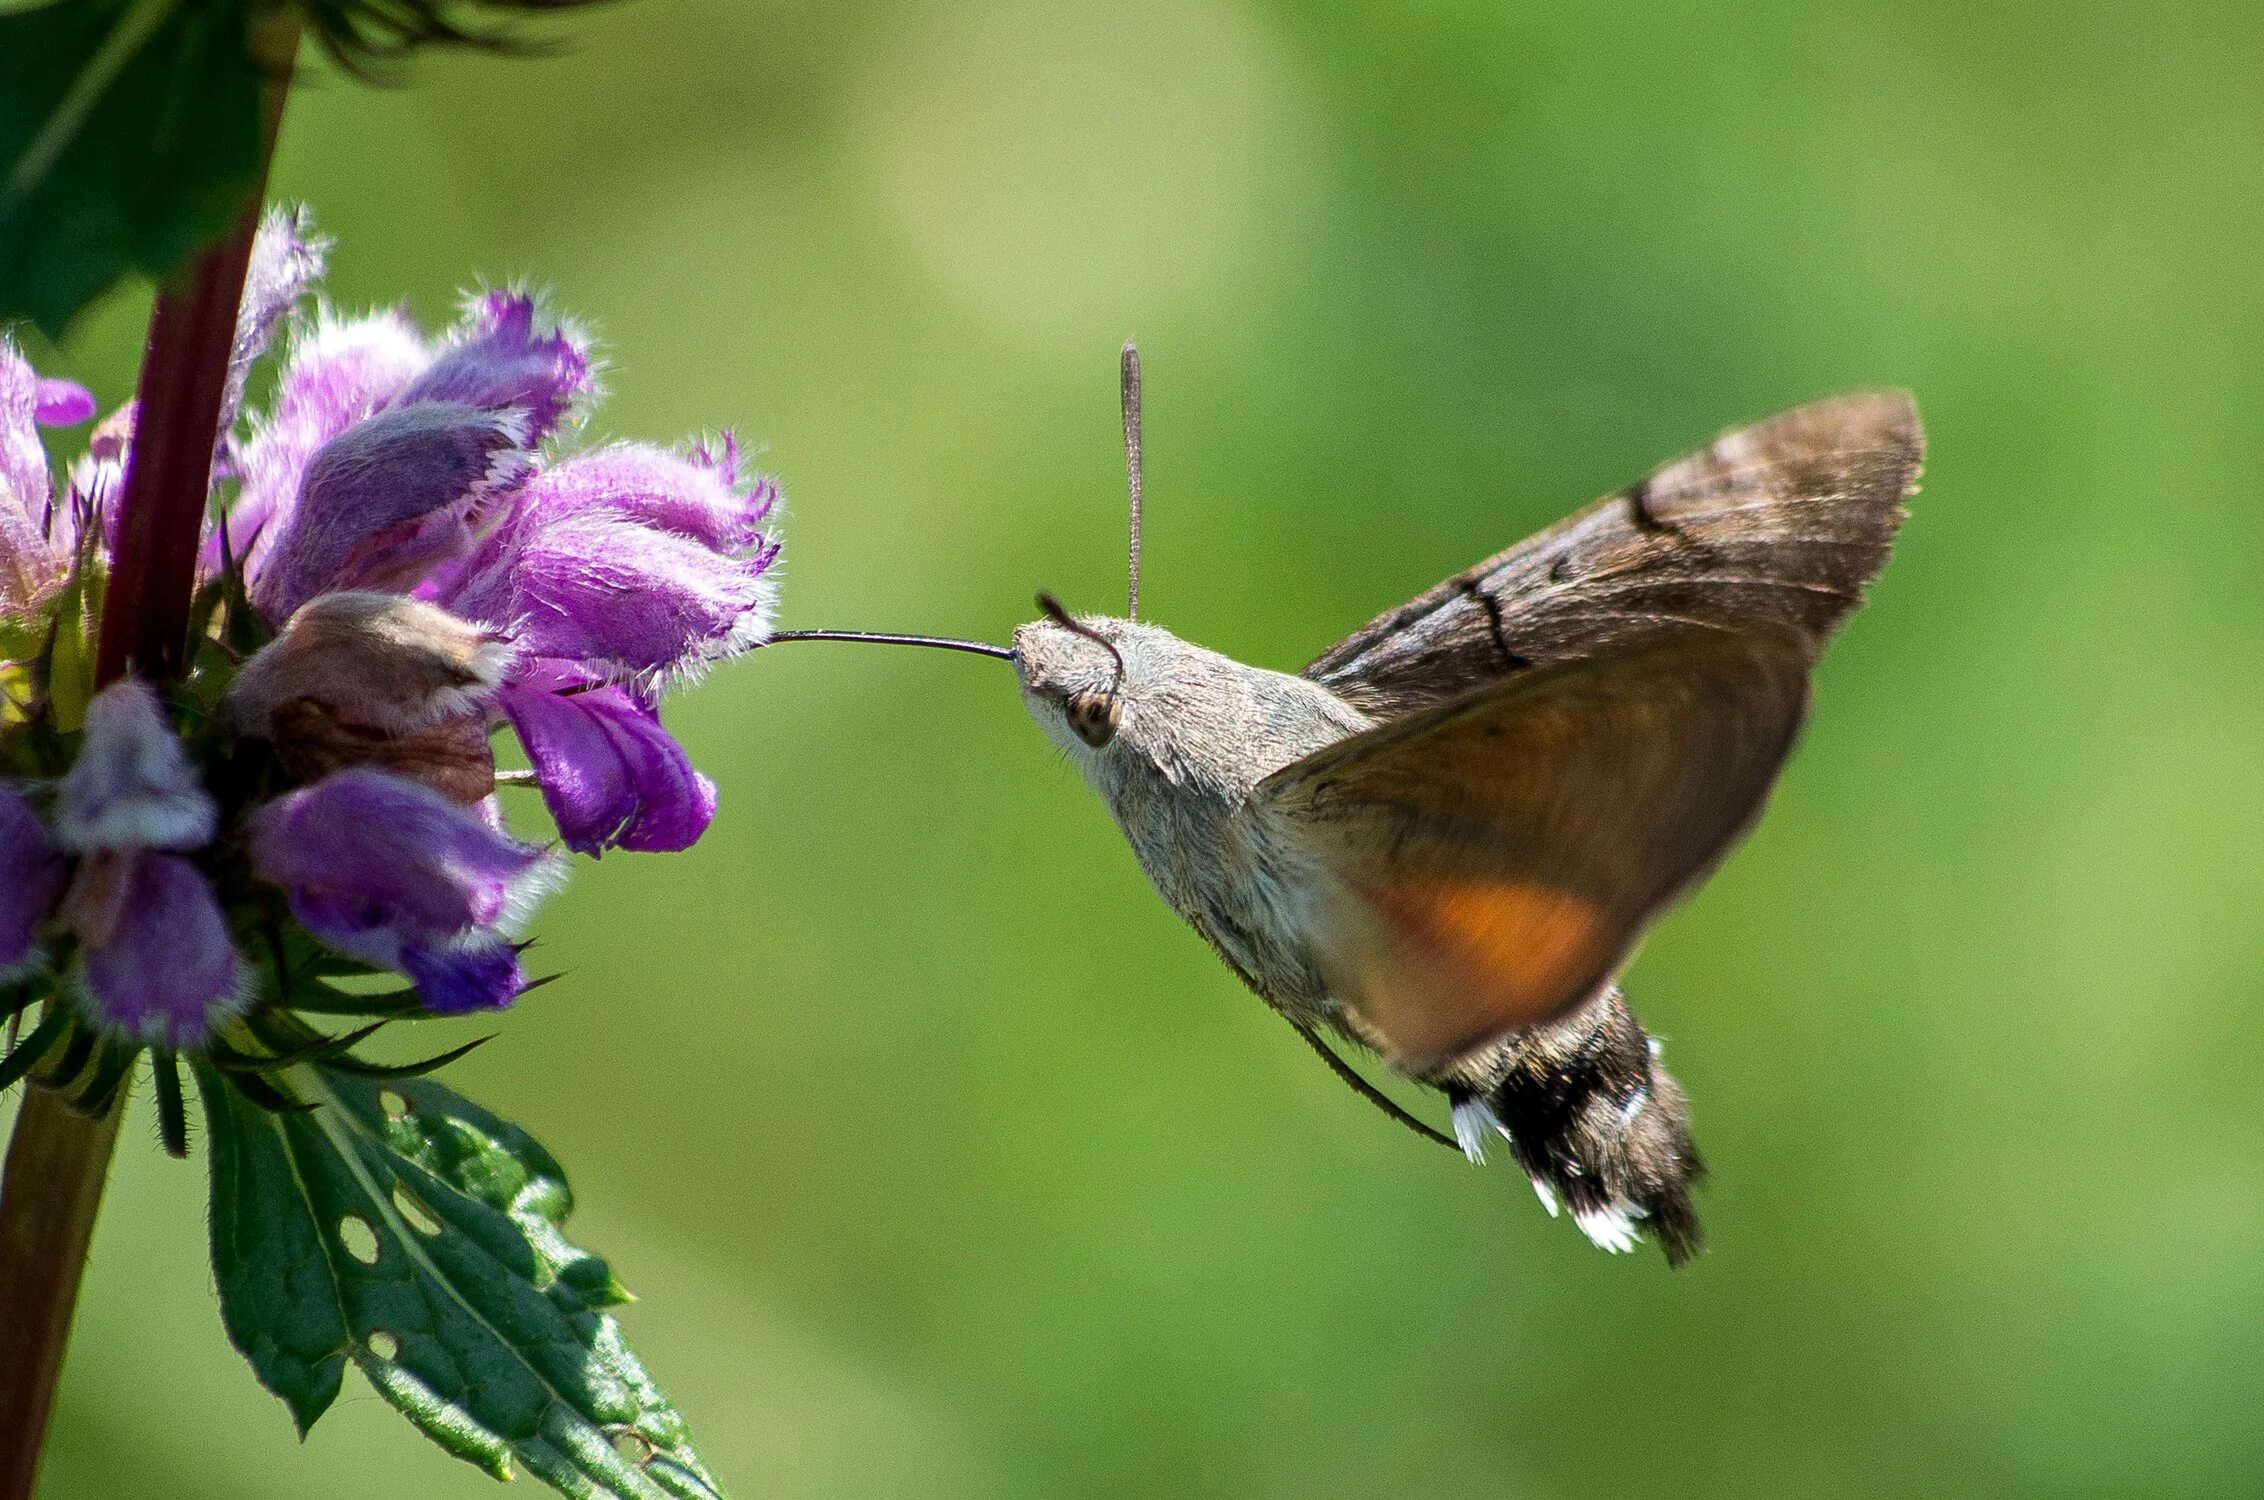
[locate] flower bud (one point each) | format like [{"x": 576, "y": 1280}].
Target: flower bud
[
  {"x": 132, "y": 786},
  {"x": 377, "y": 679}
]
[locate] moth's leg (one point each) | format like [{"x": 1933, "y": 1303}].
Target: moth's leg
[{"x": 1367, "y": 1090}]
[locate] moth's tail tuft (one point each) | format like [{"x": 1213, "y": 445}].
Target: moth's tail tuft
[{"x": 1595, "y": 1121}]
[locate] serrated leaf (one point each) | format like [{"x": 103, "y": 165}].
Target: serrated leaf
[
  {"x": 439, "y": 1228},
  {"x": 277, "y": 1297},
  {"x": 129, "y": 138},
  {"x": 502, "y": 1166}
]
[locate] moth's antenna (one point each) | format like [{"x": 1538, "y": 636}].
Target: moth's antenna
[
  {"x": 1060, "y": 616},
  {"x": 1131, "y": 395}
]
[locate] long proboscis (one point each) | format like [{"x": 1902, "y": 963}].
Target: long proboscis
[{"x": 890, "y": 638}]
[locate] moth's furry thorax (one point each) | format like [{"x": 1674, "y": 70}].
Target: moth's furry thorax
[{"x": 1199, "y": 732}]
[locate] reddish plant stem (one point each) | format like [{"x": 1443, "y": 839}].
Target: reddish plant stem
[
  {"x": 58, "y": 1160},
  {"x": 184, "y": 378}
]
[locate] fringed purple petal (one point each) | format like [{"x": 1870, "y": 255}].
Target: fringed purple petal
[
  {"x": 338, "y": 373},
  {"x": 32, "y": 568},
  {"x": 61, "y": 403},
  {"x": 695, "y": 496},
  {"x": 611, "y": 776},
  {"x": 32, "y": 872},
  {"x": 286, "y": 262},
  {"x": 166, "y": 971},
  {"x": 132, "y": 786},
  {"x": 622, "y": 599},
  {"x": 362, "y": 852},
  {"x": 480, "y": 974},
  {"x": 388, "y": 499},
  {"x": 499, "y": 359}
]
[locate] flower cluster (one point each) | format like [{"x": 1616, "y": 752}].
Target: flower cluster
[{"x": 403, "y": 556}]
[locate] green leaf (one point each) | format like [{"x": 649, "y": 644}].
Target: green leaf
[
  {"x": 406, "y": 1229},
  {"x": 278, "y": 1299},
  {"x": 129, "y": 138}
]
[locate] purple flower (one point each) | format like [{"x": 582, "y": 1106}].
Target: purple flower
[
  {"x": 33, "y": 565},
  {"x": 429, "y": 564},
  {"x": 339, "y": 373},
  {"x": 374, "y": 466},
  {"x": 619, "y": 599},
  {"x": 132, "y": 786},
  {"x": 388, "y": 466},
  {"x": 498, "y": 359},
  {"x": 388, "y": 499},
  {"x": 163, "y": 970},
  {"x": 158, "y": 964},
  {"x": 287, "y": 260},
  {"x": 32, "y": 872},
  {"x": 611, "y": 776},
  {"x": 394, "y": 874}
]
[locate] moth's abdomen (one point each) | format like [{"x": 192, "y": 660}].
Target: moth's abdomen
[{"x": 1595, "y": 1121}]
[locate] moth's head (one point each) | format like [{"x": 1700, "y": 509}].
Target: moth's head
[{"x": 1077, "y": 678}]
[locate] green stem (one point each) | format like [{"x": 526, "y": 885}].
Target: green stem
[{"x": 57, "y": 1159}]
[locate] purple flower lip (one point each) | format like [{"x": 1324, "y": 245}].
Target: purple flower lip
[
  {"x": 395, "y": 874},
  {"x": 611, "y": 776},
  {"x": 157, "y": 964}
]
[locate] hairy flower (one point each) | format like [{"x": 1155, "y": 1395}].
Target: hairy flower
[
  {"x": 391, "y": 464},
  {"x": 132, "y": 786},
  {"x": 163, "y": 968},
  {"x": 408, "y": 555},
  {"x": 35, "y": 554},
  {"x": 391, "y": 872},
  {"x": 158, "y": 963}
]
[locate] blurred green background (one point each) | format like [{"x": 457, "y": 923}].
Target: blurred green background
[{"x": 947, "y": 1163}]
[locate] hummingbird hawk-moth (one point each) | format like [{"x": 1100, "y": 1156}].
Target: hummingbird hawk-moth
[{"x": 1443, "y": 839}]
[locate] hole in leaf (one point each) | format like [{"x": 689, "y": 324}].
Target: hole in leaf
[
  {"x": 384, "y": 1345},
  {"x": 412, "y": 1208},
  {"x": 396, "y": 1108},
  {"x": 360, "y": 1240},
  {"x": 632, "y": 1447}
]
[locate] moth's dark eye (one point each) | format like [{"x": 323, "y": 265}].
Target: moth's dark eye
[{"x": 1093, "y": 716}]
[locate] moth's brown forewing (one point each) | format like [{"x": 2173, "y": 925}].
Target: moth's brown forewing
[
  {"x": 1491, "y": 862},
  {"x": 1580, "y": 727},
  {"x": 1780, "y": 523}
]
